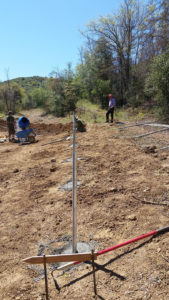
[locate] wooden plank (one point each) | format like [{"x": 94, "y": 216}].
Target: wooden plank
[{"x": 60, "y": 258}]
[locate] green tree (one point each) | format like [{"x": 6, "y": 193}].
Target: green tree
[
  {"x": 123, "y": 34},
  {"x": 93, "y": 76},
  {"x": 157, "y": 83},
  {"x": 11, "y": 95},
  {"x": 39, "y": 97},
  {"x": 56, "y": 99},
  {"x": 63, "y": 92}
]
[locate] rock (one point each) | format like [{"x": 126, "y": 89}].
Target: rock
[
  {"x": 53, "y": 160},
  {"x": 147, "y": 189},
  {"x": 2, "y": 140},
  {"x": 113, "y": 189},
  {"x": 90, "y": 236},
  {"x": 52, "y": 169},
  {"x": 150, "y": 149},
  {"x": 163, "y": 157},
  {"x": 15, "y": 170},
  {"x": 132, "y": 218}
]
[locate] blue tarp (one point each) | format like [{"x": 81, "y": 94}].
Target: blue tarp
[{"x": 24, "y": 133}]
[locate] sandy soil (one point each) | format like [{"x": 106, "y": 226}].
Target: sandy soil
[{"x": 123, "y": 194}]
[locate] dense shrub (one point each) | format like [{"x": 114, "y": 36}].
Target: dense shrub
[{"x": 157, "y": 83}]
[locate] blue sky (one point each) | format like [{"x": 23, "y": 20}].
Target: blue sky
[{"x": 39, "y": 36}]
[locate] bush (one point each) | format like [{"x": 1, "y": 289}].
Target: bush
[
  {"x": 55, "y": 105},
  {"x": 39, "y": 97}
]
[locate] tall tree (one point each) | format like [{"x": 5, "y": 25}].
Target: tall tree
[
  {"x": 163, "y": 25},
  {"x": 156, "y": 29},
  {"x": 123, "y": 34}
]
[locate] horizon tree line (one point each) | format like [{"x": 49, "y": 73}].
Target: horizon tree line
[{"x": 126, "y": 53}]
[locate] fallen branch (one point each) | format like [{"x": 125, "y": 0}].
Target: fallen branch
[
  {"x": 54, "y": 141},
  {"x": 152, "y": 132},
  {"x": 165, "y": 258},
  {"x": 151, "y": 202},
  {"x": 154, "y": 203}
]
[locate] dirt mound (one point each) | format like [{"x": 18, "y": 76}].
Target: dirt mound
[
  {"x": 42, "y": 128},
  {"x": 43, "y": 154}
]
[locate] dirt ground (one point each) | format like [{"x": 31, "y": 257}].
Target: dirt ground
[{"x": 124, "y": 193}]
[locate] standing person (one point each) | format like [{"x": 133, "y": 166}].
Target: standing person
[
  {"x": 112, "y": 103},
  {"x": 11, "y": 125}
]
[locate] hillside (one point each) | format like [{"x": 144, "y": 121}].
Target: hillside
[
  {"x": 123, "y": 193},
  {"x": 29, "y": 83}
]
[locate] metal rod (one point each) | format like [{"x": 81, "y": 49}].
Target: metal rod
[
  {"x": 46, "y": 279},
  {"x": 140, "y": 124},
  {"x": 166, "y": 147},
  {"x": 151, "y": 132},
  {"x": 74, "y": 212},
  {"x": 137, "y": 124},
  {"x": 94, "y": 277}
]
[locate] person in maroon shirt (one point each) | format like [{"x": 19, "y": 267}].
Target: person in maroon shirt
[{"x": 112, "y": 103}]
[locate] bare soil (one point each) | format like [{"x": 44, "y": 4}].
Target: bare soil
[{"x": 124, "y": 193}]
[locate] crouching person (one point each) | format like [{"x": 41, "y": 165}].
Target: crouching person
[{"x": 80, "y": 125}]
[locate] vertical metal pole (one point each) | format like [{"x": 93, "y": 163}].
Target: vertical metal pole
[
  {"x": 74, "y": 213},
  {"x": 94, "y": 277},
  {"x": 46, "y": 279}
]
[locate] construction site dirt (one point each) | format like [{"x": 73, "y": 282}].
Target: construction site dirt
[{"x": 123, "y": 193}]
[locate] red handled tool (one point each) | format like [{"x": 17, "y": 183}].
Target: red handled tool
[{"x": 155, "y": 232}]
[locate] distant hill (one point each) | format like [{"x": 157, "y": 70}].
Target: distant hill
[{"x": 29, "y": 83}]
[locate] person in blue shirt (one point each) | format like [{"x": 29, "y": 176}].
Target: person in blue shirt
[{"x": 112, "y": 103}]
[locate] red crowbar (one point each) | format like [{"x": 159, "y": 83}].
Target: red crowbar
[{"x": 155, "y": 232}]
